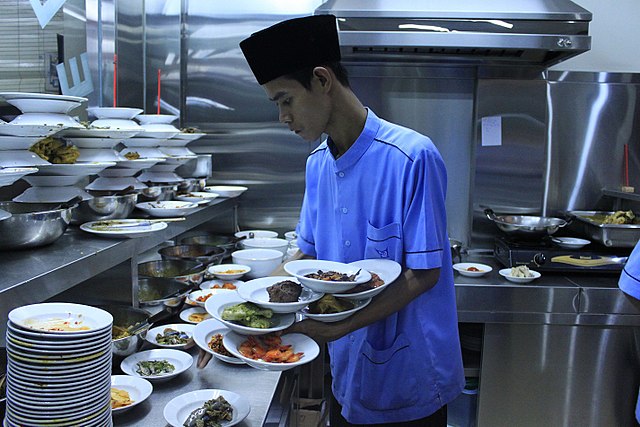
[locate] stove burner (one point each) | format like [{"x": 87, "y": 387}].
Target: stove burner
[{"x": 543, "y": 242}]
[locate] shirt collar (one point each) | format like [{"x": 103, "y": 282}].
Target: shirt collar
[{"x": 360, "y": 146}]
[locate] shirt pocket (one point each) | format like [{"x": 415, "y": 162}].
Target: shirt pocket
[
  {"x": 390, "y": 378},
  {"x": 384, "y": 242}
]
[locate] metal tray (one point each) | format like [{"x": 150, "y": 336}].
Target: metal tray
[{"x": 610, "y": 235}]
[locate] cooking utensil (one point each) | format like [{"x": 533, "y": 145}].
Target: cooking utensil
[
  {"x": 206, "y": 254},
  {"x": 610, "y": 235},
  {"x": 186, "y": 271},
  {"x": 527, "y": 227},
  {"x": 152, "y": 289},
  {"x": 32, "y": 224},
  {"x": 104, "y": 207},
  {"x": 147, "y": 222}
]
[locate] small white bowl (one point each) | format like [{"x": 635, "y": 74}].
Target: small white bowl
[
  {"x": 261, "y": 261},
  {"x": 138, "y": 388},
  {"x": 223, "y": 271},
  {"x": 115, "y": 124},
  {"x": 463, "y": 268},
  {"x": 46, "y": 119},
  {"x": 179, "y": 359},
  {"x": 187, "y": 328},
  {"x": 266, "y": 243},
  {"x": 253, "y": 234},
  {"x": 506, "y": 273},
  {"x": 226, "y": 190},
  {"x": 570, "y": 242}
]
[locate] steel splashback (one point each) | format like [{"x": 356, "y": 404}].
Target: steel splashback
[{"x": 535, "y": 32}]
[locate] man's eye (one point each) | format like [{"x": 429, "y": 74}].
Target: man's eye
[{"x": 286, "y": 101}]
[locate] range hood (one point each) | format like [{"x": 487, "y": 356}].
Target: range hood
[{"x": 524, "y": 32}]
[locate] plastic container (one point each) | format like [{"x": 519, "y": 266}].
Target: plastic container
[{"x": 462, "y": 411}]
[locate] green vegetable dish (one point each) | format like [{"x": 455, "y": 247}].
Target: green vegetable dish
[
  {"x": 172, "y": 337},
  {"x": 248, "y": 314},
  {"x": 150, "y": 368},
  {"x": 210, "y": 414}
]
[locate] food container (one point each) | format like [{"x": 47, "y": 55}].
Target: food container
[
  {"x": 185, "y": 271},
  {"x": 611, "y": 235},
  {"x": 159, "y": 294},
  {"x": 128, "y": 317},
  {"x": 205, "y": 254},
  {"x": 526, "y": 227},
  {"x": 104, "y": 207},
  {"x": 33, "y": 224}
]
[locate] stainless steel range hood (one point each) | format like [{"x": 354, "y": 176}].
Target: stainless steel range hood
[{"x": 532, "y": 32}]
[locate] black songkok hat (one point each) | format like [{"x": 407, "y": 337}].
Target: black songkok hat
[{"x": 292, "y": 45}]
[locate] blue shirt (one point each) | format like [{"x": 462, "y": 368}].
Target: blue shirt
[{"x": 385, "y": 198}]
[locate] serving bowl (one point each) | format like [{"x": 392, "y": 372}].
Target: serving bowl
[
  {"x": 262, "y": 261},
  {"x": 186, "y": 328},
  {"x": 126, "y": 113},
  {"x": 104, "y": 207},
  {"x": 204, "y": 254},
  {"x": 127, "y": 317},
  {"x": 185, "y": 271},
  {"x": 281, "y": 245},
  {"x": 301, "y": 268},
  {"x": 157, "y": 294},
  {"x": 33, "y": 224}
]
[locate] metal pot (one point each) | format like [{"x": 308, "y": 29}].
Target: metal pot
[
  {"x": 33, "y": 224},
  {"x": 228, "y": 243},
  {"x": 128, "y": 317},
  {"x": 528, "y": 227},
  {"x": 157, "y": 294},
  {"x": 104, "y": 207},
  {"x": 205, "y": 254},
  {"x": 182, "y": 270}
]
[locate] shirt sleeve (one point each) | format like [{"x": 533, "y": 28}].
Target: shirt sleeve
[{"x": 629, "y": 281}]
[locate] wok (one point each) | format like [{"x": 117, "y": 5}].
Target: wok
[
  {"x": 528, "y": 227},
  {"x": 136, "y": 320},
  {"x": 205, "y": 254}
]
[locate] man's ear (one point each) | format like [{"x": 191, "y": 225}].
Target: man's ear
[{"x": 323, "y": 75}]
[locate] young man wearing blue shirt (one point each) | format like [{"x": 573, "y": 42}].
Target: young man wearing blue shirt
[{"x": 374, "y": 190}]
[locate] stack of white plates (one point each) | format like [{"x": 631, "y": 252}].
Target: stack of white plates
[{"x": 59, "y": 366}]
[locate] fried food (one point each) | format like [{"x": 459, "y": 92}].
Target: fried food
[
  {"x": 268, "y": 348},
  {"x": 329, "y": 304},
  {"x": 198, "y": 317},
  {"x": 620, "y": 217},
  {"x": 55, "y": 150},
  {"x": 215, "y": 344},
  {"x": 285, "y": 291},
  {"x": 332, "y": 276},
  {"x": 521, "y": 271},
  {"x": 119, "y": 398}
]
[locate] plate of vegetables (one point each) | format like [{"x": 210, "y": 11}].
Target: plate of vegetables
[
  {"x": 177, "y": 336},
  {"x": 207, "y": 407},
  {"x": 157, "y": 365}
]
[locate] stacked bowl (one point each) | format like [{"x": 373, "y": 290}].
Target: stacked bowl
[{"x": 58, "y": 366}]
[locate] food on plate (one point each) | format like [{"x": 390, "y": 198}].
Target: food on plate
[
  {"x": 329, "y": 304},
  {"x": 172, "y": 337},
  {"x": 285, "y": 291},
  {"x": 132, "y": 155},
  {"x": 118, "y": 332},
  {"x": 190, "y": 130},
  {"x": 198, "y": 317},
  {"x": 203, "y": 298},
  {"x": 149, "y": 368},
  {"x": 55, "y": 150},
  {"x": 332, "y": 276},
  {"x": 521, "y": 271},
  {"x": 58, "y": 325},
  {"x": 215, "y": 344},
  {"x": 226, "y": 285},
  {"x": 268, "y": 348},
  {"x": 375, "y": 282},
  {"x": 230, "y": 271},
  {"x": 120, "y": 398},
  {"x": 248, "y": 314},
  {"x": 472, "y": 268},
  {"x": 210, "y": 414}
]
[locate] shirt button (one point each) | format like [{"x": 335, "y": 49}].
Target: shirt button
[
  {"x": 341, "y": 174},
  {"x": 347, "y": 243},
  {"x": 345, "y": 210}
]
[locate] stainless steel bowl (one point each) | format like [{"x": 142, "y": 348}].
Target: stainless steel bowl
[
  {"x": 526, "y": 227},
  {"x": 104, "y": 207},
  {"x": 205, "y": 254},
  {"x": 192, "y": 184},
  {"x": 156, "y": 294},
  {"x": 229, "y": 243},
  {"x": 127, "y": 317},
  {"x": 157, "y": 193},
  {"x": 33, "y": 224},
  {"x": 185, "y": 271}
]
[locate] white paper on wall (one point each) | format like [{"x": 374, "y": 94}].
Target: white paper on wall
[
  {"x": 46, "y": 9},
  {"x": 491, "y": 131}
]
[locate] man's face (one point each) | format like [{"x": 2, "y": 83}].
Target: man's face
[{"x": 306, "y": 112}]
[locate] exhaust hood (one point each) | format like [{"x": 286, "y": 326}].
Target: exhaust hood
[{"x": 522, "y": 32}]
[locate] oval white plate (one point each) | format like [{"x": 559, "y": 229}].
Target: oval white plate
[
  {"x": 570, "y": 242},
  {"x": 463, "y": 268},
  {"x": 179, "y": 408},
  {"x": 138, "y": 388},
  {"x": 215, "y": 307},
  {"x": 187, "y": 328},
  {"x": 336, "y": 317},
  {"x": 179, "y": 359},
  {"x": 202, "y": 335},
  {"x": 226, "y": 190},
  {"x": 299, "y": 343},
  {"x": 168, "y": 208},
  {"x": 388, "y": 271},
  {"x": 122, "y": 228},
  {"x": 299, "y": 268},
  {"x": 256, "y": 292},
  {"x": 506, "y": 273},
  {"x": 184, "y": 314}
]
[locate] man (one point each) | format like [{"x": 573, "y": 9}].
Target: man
[{"x": 373, "y": 190}]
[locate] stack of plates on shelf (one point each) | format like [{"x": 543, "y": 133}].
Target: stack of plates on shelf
[
  {"x": 59, "y": 366},
  {"x": 158, "y": 125},
  {"x": 10, "y": 175}
]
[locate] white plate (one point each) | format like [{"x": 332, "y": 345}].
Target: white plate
[
  {"x": 69, "y": 169},
  {"x": 226, "y": 190},
  {"x": 45, "y": 316},
  {"x": 386, "y": 269},
  {"x": 299, "y": 343},
  {"x": 179, "y": 359},
  {"x": 336, "y": 317},
  {"x": 159, "y": 177},
  {"x": 196, "y": 197},
  {"x": 28, "y": 130},
  {"x": 189, "y": 136},
  {"x": 156, "y": 118},
  {"x": 215, "y": 307},
  {"x": 187, "y": 328},
  {"x": 255, "y": 291},
  {"x": 167, "y": 208},
  {"x": 506, "y": 273},
  {"x": 116, "y": 124},
  {"x": 176, "y": 151},
  {"x": 101, "y": 143},
  {"x": 98, "y": 155},
  {"x": 140, "y": 141},
  {"x": 10, "y": 175},
  {"x": 463, "y": 268},
  {"x": 179, "y": 408},
  {"x": 51, "y": 194},
  {"x": 17, "y": 142},
  {"x": 20, "y": 158},
  {"x": 570, "y": 242},
  {"x": 299, "y": 268},
  {"x": 209, "y": 284},
  {"x": 184, "y": 314},
  {"x": 100, "y": 133},
  {"x": 192, "y": 298},
  {"x": 32, "y": 95},
  {"x": 53, "y": 180},
  {"x": 202, "y": 335},
  {"x": 114, "y": 112},
  {"x": 46, "y": 119},
  {"x": 27, "y": 105},
  {"x": 119, "y": 183},
  {"x": 138, "y": 388},
  {"x": 220, "y": 270},
  {"x": 114, "y": 227}
]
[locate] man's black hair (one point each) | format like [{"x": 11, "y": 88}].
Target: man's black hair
[{"x": 305, "y": 75}]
